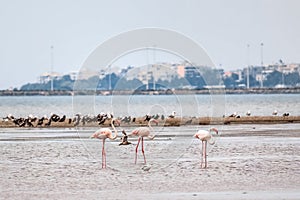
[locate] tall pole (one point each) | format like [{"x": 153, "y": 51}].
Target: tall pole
[
  {"x": 282, "y": 75},
  {"x": 51, "y": 65},
  {"x": 248, "y": 61},
  {"x": 147, "y": 74},
  {"x": 109, "y": 78},
  {"x": 262, "y": 63},
  {"x": 262, "y": 53},
  {"x": 282, "y": 78},
  {"x": 153, "y": 75},
  {"x": 154, "y": 70}
]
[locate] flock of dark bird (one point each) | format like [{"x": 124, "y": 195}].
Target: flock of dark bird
[
  {"x": 100, "y": 119},
  {"x": 32, "y": 121},
  {"x": 78, "y": 119}
]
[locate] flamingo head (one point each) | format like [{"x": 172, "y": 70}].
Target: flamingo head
[
  {"x": 93, "y": 136},
  {"x": 215, "y": 130},
  {"x": 154, "y": 120},
  {"x": 116, "y": 121},
  {"x": 196, "y": 135},
  {"x": 134, "y": 132}
]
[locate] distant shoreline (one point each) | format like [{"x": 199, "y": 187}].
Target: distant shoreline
[{"x": 295, "y": 90}]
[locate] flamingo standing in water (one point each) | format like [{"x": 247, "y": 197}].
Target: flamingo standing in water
[
  {"x": 142, "y": 132},
  {"x": 104, "y": 133},
  {"x": 205, "y": 136}
]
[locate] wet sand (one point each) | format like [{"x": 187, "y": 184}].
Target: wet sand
[{"x": 247, "y": 162}]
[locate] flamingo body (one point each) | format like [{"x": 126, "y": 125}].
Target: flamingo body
[
  {"x": 205, "y": 136},
  {"x": 142, "y": 132},
  {"x": 103, "y": 134}
]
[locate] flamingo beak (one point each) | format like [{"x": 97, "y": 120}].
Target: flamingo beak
[{"x": 216, "y": 130}]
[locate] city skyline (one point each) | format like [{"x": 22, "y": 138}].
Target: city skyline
[
  {"x": 180, "y": 75},
  {"x": 74, "y": 30}
]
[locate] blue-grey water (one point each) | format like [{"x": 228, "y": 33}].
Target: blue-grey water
[{"x": 139, "y": 105}]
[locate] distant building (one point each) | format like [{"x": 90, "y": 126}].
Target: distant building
[
  {"x": 293, "y": 68},
  {"x": 86, "y": 74},
  {"x": 191, "y": 72},
  {"x": 152, "y": 72},
  {"x": 181, "y": 71},
  {"x": 47, "y": 76},
  {"x": 73, "y": 75},
  {"x": 195, "y": 76}
]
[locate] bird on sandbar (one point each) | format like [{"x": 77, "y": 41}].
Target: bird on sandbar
[
  {"x": 275, "y": 112},
  {"x": 248, "y": 113},
  {"x": 172, "y": 114},
  {"x": 147, "y": 117},
  {"x": 286, "y": 114},
  {"x": 233, "y": 114}
]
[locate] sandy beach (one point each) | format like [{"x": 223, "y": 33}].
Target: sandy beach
[{"x": 246, "y": 162}]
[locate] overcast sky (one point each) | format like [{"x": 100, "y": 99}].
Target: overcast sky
[{"x": 75, "y": 28}]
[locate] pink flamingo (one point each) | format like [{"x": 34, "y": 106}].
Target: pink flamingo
[
  {"x": 205, "y": 136},
  {"x": 142, "y": 132},
  {"x": 104, "y": 133}
]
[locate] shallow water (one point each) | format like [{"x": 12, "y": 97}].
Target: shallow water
[
  {"x": 246, "y": 161},
  {"x": 139, "y": 105}
]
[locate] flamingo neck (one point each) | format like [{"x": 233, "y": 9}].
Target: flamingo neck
[
  {"x": 212, "y": 140},
  {"x": 149, "y": 125},
  {"x": 115, "y": 130},
  {"x": 152, "y": 130}
]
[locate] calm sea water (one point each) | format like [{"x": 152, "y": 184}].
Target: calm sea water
[{"x": 139, "y": 105}]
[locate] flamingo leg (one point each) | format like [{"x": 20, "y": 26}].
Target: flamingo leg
[
  {"x": 103, "y": 155},
  {"x": 202, "y": 156},
  {"x": 136, "y": 149},
  {"x": 143, "y": 150},
  {"x": 205, "y": 155}
]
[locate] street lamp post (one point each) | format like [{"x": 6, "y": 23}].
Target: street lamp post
[
  {"x": 262, "y": 63},
  {"x": 262, "y": 53},
  {"x": 153, "y": 67},
  {"x": 51, "y": 66},
  {"x": 109, "y": 78},
  {"x": 248, "y": 52}
]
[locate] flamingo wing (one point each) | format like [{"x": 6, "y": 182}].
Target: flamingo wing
[
  {"x": 202, "y": 135},
  {"x": 102, "y": 133},
  {"x": 141, "y": 131}
]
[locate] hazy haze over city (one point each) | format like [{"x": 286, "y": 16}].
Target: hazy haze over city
[{"x": 76, "y": 28}]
